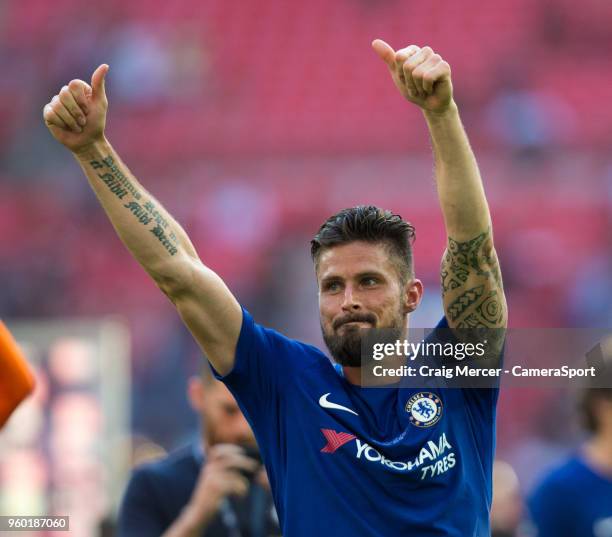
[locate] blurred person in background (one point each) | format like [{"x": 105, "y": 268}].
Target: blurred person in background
[
  {"x": 507, "y": 507},
  {"x": 16, "y": 379},
  {"x": 575, "y": 500},
  {"x": 413, "y": 462},
  {"x": 211, "y": 488}
]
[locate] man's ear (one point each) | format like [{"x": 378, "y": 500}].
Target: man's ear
[
  {"x": 195, "y": 393},
  {"x": 413, "y": 292}
]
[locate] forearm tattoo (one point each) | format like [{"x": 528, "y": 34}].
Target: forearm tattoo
[
  {"x": 145, "y": 213},
  {"x": 472, "y": 288}
]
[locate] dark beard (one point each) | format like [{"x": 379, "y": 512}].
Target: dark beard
[{"x": 346, "y": 349}]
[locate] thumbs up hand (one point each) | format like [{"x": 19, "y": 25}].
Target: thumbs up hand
[
  {"x": 76, "y": 116},
  {"x": 420, "y": 75}
]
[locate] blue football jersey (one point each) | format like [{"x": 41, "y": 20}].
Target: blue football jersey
[
  {"x": 345, "y": 460},
  {"x": 573, "y": 501}
]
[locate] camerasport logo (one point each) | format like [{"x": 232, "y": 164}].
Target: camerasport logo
[
  {"x": 434, "y": 457},
  {"x": 424, "y": 408}
]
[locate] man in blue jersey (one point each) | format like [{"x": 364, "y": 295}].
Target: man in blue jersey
[
  {"x": 575, "y": 500},
  {"x": 342, "y": 459}
]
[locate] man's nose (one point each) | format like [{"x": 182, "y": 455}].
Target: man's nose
[{"x": 351, "y": 300}]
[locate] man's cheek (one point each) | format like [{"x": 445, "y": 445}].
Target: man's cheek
[{"x": 327, "y": 312}]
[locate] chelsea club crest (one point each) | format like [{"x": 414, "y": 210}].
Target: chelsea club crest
[{"x": 424, "y": 408}]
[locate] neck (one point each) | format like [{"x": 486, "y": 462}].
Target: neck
[{"x": 598, "y": 451}]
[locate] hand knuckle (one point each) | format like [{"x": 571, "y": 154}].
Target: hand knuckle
[{"x": 428, "y": 50}]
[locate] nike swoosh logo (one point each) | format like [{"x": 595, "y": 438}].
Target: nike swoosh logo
[{"x": 328, "y": 404}]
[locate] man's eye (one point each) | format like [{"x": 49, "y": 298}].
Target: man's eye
[
  {"x": 369, "y": 282},
  {"x": 332, "y": 286}
]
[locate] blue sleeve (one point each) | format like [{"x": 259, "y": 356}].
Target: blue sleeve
[
  {"x": 140, "y": 514},
  {"x": 547, "y": 511},
  {"x": 265, "y": 360},
  {"x": 266, "y": 366}
]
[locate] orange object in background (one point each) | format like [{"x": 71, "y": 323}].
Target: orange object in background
[{"x": 16, "y": 378}]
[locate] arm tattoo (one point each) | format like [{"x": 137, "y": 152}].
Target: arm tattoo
[
  {"x": 158, "y": 231},
  {"x": 472, "y": 288},
  {"x": 139, "y": 212},
  {"x": 475, "y": 256},
  {"x": 116, "y": 174},
  {"x": 145, "y": 213}
]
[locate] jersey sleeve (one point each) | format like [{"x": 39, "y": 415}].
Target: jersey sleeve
[{"x": 265, "y": 367}]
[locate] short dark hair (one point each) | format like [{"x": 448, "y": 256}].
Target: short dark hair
[{"x": 370, "y": 224}]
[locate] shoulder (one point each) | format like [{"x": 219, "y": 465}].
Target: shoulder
[
  {"x": 572, "y": 468},
  {"x": 273, "y": 340},
  {"x": 156, "y": 493},
  {"x": 559, "y": 480},
  {"x": 553, "y": 501},
  {"x": 441, "y": 333},
  {"x": 266, "y": 364},
  {"x": 176, "y": 464}
]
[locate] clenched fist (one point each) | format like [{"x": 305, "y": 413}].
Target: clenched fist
[
  {"x": 420, "y": 75},
  {"x": 76, "y": 116}
]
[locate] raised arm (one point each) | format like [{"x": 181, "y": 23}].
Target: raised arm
[
  {"x": 76, "y": 117},
  {"x": 472, "y": 289}
]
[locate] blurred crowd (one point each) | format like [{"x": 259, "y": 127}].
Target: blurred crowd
[{"x": 253, "y": 121}]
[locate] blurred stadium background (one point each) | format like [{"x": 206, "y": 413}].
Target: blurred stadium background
[{"x": 252, "y": 121}]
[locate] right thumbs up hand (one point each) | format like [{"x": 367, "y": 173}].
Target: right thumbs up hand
[{"x": 76, "y": 116}]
